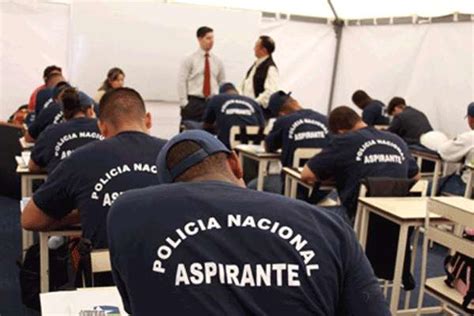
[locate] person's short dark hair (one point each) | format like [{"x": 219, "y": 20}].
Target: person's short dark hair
[
  {"x": 360, "y": 98},
  {"x": 396, "y": 101},
  {"x": 72, "y": 103},
  {"x": 121, "y": 105},
  {"x": 268, "y": 43},
  {"x": 215, "y": 163},
  {"x": 53, "y": 76},
  {"x": 50, "y": 69},
  {"x": 203, "y": 30},
  {"x": 342, "y": 118}
]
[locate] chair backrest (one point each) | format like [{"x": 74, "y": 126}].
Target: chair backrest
[
  {"x": 302, "y": 155},
  {"x": 246, "y": 135}
]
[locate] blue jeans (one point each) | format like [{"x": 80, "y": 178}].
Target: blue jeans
[
  {"x": 452, "y": 184},
  {"x": 271, "y": 183}
]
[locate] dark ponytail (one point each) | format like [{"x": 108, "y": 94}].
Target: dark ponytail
[{"x": 71, "y": 103}]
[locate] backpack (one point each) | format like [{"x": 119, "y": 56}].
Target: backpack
[{"x": 459, "y": 269}]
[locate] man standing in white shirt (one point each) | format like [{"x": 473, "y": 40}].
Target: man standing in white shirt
[
  {"x": 261, "y": 80},
  {"x": 199, "y": 78},
  {"x": 455, "y": 150}
]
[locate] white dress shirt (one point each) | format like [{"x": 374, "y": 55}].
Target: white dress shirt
[
  {"x": 191, "y": 75},
  {"x": 270, "y": 85},
  {"x": 458, "y": 148}
]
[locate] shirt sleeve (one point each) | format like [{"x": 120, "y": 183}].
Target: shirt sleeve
[
  {"x": 221, "y": 73},
  {"x": 270, "y": 86},
  {"x": 369, "y": 116},
  {"x": 209, "y": 116},
  {"x": 274, "y": 139},
  {"x": 120, "y": 284},
  {"x": 184, "y": 71},
  {"x": 395, "y": 126},
  {"x": 456, "y": 149},
  {"x": 42, "y": 151},
  {"x": 56, "y": 196},
  {"x": 361, "y": 293},
  {"x": 323, "y": 165},
  {"x": 35, "y": 128}
]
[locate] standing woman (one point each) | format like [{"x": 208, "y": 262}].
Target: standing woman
[{"x": 115, "y": 79}]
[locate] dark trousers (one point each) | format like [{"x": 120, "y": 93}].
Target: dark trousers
[{"x": 194, "y": 110}]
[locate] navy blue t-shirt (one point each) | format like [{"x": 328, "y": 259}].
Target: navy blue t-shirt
[
  {"x": 301, "y": 129},
  {"x": 52, "y": 114},
  {"x": 42, "y": 98},
  {"x": 57, "y": 142},
  {"x": 199, "y": 248},
  {"x": 367, "y": 152},
  {"x": 373, "y": 114},
  {"x": 95, "y": 175},
  {"x": 228, "y": 110}
]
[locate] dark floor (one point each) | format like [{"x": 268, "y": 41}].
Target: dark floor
[{"x": 10, "y": 233}]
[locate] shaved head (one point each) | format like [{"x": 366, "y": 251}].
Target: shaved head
[{"x": 122, "y": 106}]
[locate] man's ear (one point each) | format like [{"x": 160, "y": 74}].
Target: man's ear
[
  {"x": 104, "y": 130},
  {"x": 234, "y": 164},
  {"x": 90, "y": 112},
  {"x": 148, "y": 122}
]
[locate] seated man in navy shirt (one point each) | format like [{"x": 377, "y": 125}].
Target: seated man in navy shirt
[
  {"x": 294, "y": 128},
  {"x": 57, "y": 142},
  {"x": 372, "y": 110},
  {"x": 407, "y": 122},
  {"x": 51, "y": 114},
  {"x": 228, "y": 109},
  {"x": 195, "y": 246},
  {"x": 93, "y": 176},
  {"x": 356, "y": 152}
]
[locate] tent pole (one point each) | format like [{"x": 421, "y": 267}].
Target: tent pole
[{"x": 338, "y": 26}]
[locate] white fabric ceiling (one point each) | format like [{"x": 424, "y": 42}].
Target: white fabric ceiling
[
  {"x": 349, "y": 9},
  {"x": 346, "y": 9}
]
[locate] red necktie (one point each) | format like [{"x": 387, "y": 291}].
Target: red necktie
[{"x": 206, "y": 89}]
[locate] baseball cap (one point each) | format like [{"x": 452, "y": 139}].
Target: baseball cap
[
  {"x": 277, "y": 99},
  {"x": 209, "y": 145},
  {"x": 60, "y": 86},
  {"x": 470, "y": 109},
  {"x": 226, "y": 87}
]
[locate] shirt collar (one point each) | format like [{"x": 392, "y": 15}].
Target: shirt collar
[
  {"x": 202, "y": 52},
  {"x": 261, "y": 60}
]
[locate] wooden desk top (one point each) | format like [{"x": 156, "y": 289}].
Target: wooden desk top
[
  {"x": 296, "y": 174},
  {"x": 23, "y": 170},
  {"x": 426, "y": 154},
  {"x": 400, "y": 208},
  {"x": 460, "y": 203},
  {"x": 256, "y": 151}
]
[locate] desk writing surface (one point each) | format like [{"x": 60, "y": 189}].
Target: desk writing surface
[
  {"x": 402, "y": 208},
  {"x": 256, "y": 150},
  {"x": 73, "y": 302},
  {"x": 24, "y": 170},
  {"x": 426, "y": 154},
  {"x": 461, "y": 203}
]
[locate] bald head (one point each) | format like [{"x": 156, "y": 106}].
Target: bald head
[{"x": 123, "y": 109}]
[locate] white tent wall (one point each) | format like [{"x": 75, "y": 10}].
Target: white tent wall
[
  {"x": 304, "y": 55},
  {"x": 32, "y": 35},
  {"x": 431, "y": 66},
  {"x": 149, "y": 41}
]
